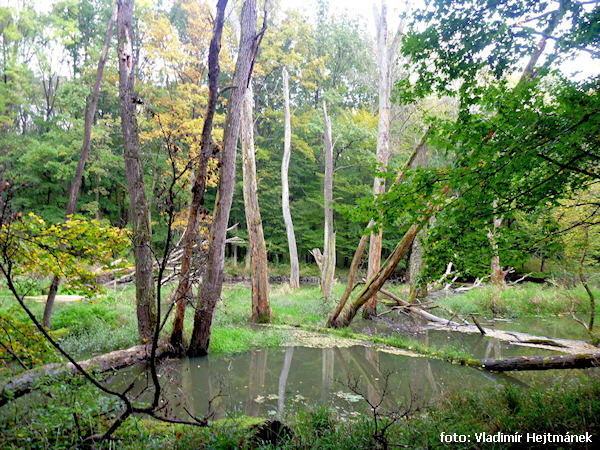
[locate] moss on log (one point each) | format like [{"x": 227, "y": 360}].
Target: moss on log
[
  {"x": 50, "y": 373},
  {"x": 536, "y": 362}
]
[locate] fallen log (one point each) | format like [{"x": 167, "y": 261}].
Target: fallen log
[
  {"x": 537, "y": 362},
  {"x": 28, "y": 381},
  {"x": 413, "y": 309}
]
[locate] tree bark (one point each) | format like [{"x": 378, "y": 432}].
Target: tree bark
[
  {"x": 261, "y": 309},
  {"x": 140, "y": 210},
  {"x": 383, "y": 141},
  {"x": 210, "y": 290},
  {"x": 351, "y": 275},
  {"x": 183, "y": 292},
  {"x": 285, "y": 188},
  {"x": 363, "y": 241},
  {"x": 90, "y": 114},
  {"x": 328, "y": 268},
  {"x": 415, "y": 263}
]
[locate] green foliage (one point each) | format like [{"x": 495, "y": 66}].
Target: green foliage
[
  {"x": 73, "y": 249},
  {"x": 22, "y": 343},
  {"x": 518, "y": 148},
  {"x": 61, "y": 417},
  {"x": 558, "y": 409}
]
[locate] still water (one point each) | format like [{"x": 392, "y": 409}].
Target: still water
[{"x": 271, "y": 382}]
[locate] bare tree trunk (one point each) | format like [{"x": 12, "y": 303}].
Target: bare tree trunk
[
  {"x": 383, "y": 140},
  {"x": 140, "y": 210},
  {"x": 285, "y": 188},
  {"x": 210, "y": 290},
  {"x": 90, "y": 114},
  {"x": 498, "y": 275},
  {"x": 537, "y": 362},
  {"x": 198, "y": 189},
  {"x": 30, "y": 380},
  {"x": 415, "y": 263},
  {"x": 363, "y": 240},
  {"x": 328, "y": 267},
  {"x": 261, "y": 309}
]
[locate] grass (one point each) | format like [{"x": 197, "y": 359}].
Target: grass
[
  {"x": 527, "y": 299},
  {"x": 89, "y": 328}
]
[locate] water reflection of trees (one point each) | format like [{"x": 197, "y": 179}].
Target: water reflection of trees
[{"x": 278, "y": 381}]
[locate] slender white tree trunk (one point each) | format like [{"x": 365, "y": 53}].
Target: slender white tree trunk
[
  {"x": 328, "y": 266},
  {"x": 285, "y": 188}
]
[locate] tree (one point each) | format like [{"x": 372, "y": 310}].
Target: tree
[
  {"x": 90, "y": 113},
  {"x": 525, "y": 143},
  {"x": 328, "y": 262},
  {"x": 140, "y": 209},
  {"x": 199, "y": 185},
  {"x": 285, "y": 189},
  {"x": 385, "y": 58},
  {"x": 210, "y": 290},
  {"x": 415, "y": 262},
  {"x": 261, "y": 309}
]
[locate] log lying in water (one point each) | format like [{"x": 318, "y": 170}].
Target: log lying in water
[
  {"x": 27, "y": 381},
  {"x": 418, "y": 311},
  {"x": 537, "y": 362}
]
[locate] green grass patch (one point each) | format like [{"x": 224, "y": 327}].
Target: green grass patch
[{"x": 527, "y": 299}]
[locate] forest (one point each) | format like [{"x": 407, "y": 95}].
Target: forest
[{"x": 194, "y": 183}]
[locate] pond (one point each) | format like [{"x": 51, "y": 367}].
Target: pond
[
  {"x": 475, "y": 344},
  {"x": 274, "y": 381}
]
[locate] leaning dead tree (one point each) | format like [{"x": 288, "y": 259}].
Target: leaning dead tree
[
  {"x": 90, "y": 114},
  {"x": 349, "y": 310},
  {"x": 350, "y": 286}
]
